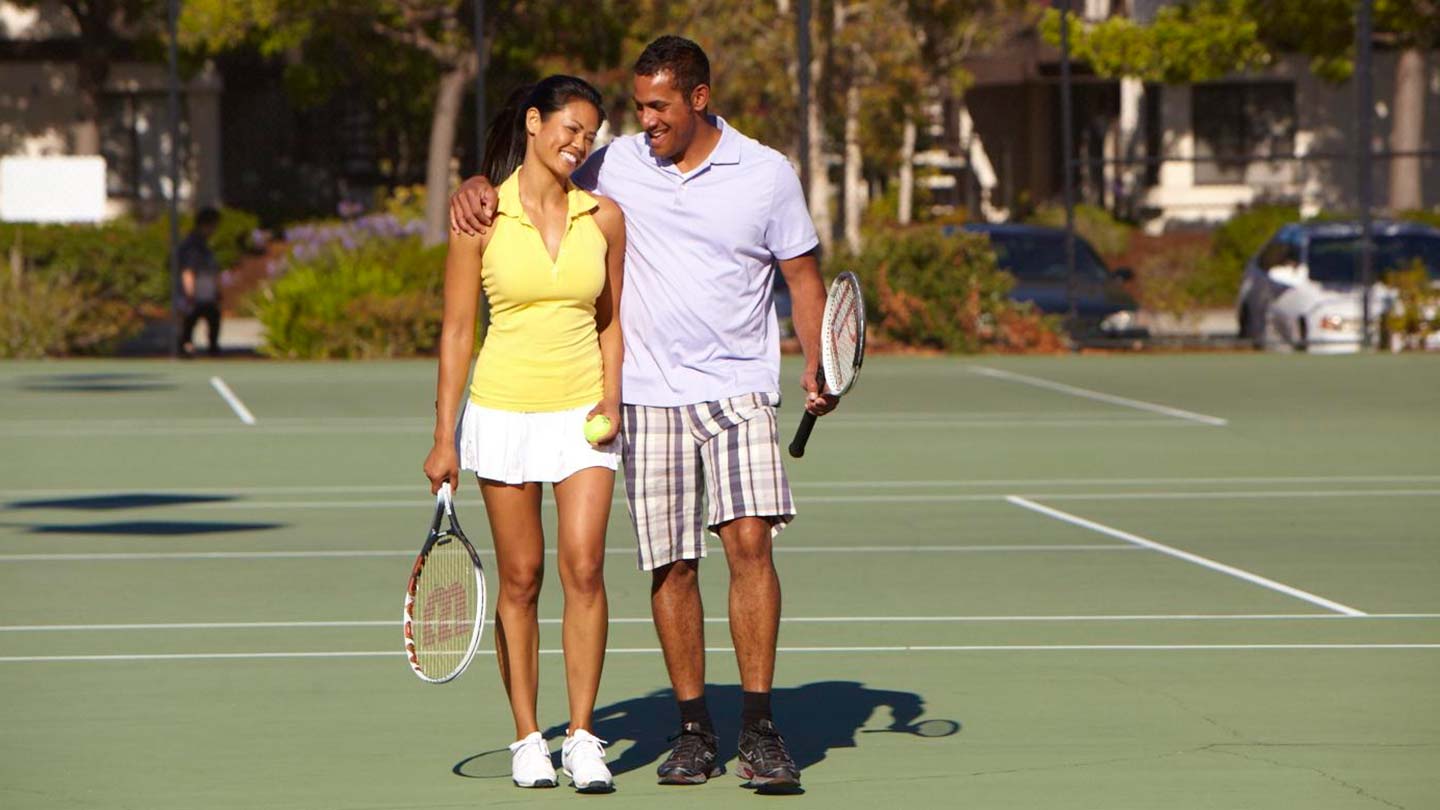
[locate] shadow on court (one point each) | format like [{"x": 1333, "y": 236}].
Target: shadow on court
[
  {"x": 105, "y": 503},
  {"x": 814, "y": 718},
  {"x": 96, "y": 383},
  {"x": 139, "y": 500},
  {"x": 154, "y": 528}
]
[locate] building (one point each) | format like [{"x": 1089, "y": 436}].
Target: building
[
  {"x": 42, "y": 112},
  {"x": 1197, "y": 149}
]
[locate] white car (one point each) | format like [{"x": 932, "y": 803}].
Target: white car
[{"x": 1302, "y": 290}]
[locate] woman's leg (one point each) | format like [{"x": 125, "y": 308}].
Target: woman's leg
[
  {"x": 514, "y": 512},
  {"x": 584, "y": 505}
]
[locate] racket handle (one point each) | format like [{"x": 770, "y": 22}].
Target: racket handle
[{"x": 802, "y": 435}]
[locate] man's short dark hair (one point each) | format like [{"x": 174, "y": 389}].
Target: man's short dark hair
[
  {"x": 207, "y": 216},
  {"x": 681, "y": 58}
]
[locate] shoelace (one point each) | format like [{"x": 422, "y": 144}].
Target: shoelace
[
  {"x": 770, "y": 748},
  {"x": 692, "y": 743},
  {"x": 593, "y": 741}
]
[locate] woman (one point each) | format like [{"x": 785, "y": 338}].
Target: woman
[{"x": 551, "y": 267}]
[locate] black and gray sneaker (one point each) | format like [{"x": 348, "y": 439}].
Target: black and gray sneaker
[
  {"x": 694, "y": 758},
  {"x": 765, "y": 763}
]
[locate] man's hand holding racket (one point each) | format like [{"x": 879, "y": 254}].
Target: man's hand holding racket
[{"x": 842, "y": 350}]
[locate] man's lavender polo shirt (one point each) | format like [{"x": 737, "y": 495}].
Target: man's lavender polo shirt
[{"x": 700, "y": 249}]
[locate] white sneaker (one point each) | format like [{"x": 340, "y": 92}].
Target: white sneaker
[
  {"x": 530, "y": 762},
  {"x": 583, "y": 759}
]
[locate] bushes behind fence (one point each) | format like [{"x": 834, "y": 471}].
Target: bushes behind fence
[
  {"x": 378, "y": 299},
  {"x": 925, "y": 288},
  {"x": 82, "y": 289}
]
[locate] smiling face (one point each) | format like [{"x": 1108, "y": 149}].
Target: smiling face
[
  {"x": 667, "y": 116},
  {"x": 562, "y": 140}
]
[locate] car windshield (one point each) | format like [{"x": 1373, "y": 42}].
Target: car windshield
[
  {"x": 1041, "y": 258},
  {"x": 1336, "y": 260}
]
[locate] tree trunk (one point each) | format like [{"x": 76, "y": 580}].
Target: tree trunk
[
  {"x": 820, "y": 189},
  {"x": 1407, "y": 134},
  {"x": 448, "y": 99},
  {"x": 854, "y": 183},
  {"x": 907, "y": 174}
]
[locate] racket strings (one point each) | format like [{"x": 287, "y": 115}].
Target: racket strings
[
  {"x": 446, "y": 597},
  {"x": 844, "y": 338}
]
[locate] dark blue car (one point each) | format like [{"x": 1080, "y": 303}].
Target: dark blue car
[{"x": 1035, "y": 256}]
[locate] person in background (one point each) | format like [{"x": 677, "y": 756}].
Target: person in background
[{"x": 199, "y": 294}]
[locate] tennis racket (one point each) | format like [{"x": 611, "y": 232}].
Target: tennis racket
[
  {"x": 445, "y": 600},
  {"x": 842, "y": 348}
]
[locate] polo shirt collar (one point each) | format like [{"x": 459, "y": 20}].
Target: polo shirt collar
[
  {"x": 725, "y": 153},
  {"x": 578, "y": 201}
]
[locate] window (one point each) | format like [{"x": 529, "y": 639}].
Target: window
[
  {"x": 135, "y": 142},
  {"x": 1235, "y": 121},
  {"x": 1041, "y": 259},
  {"x": 1337, "y": 260}
]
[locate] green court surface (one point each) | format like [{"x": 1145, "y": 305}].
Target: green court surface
[{"x": 1106, "y": 582}]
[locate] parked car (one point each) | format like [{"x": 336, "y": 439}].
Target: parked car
[
  {"x": 1035, "y": 256},
  {"x": 1303, "y": 290}
]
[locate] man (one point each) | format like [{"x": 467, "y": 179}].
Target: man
[
  {"x": 709, "y": 212},
  {"x": 199, "y": 293}
]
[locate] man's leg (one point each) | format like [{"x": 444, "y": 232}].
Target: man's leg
[
  {"x": 749, "y": 502},
  {"x": 662, "y": 488},
  {"x": 680, "y": 624},
  {"x": 754, "y": 600}
]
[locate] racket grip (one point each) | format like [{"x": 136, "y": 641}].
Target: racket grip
[{"x": 802, "y": 435}]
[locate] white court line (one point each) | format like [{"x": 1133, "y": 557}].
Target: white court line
[
  {"x": 1101, "y": 397},
  {"x": 288, "y": 555},
  {"x": 1006, "y": 483},
  {"x": 23, "y": 659},
  {"x": 271, "y": 429},
  {"x": 1231, "y": 570},
  {"x": 933, "y": 497},
  {"x": 1104, "y": 619},
  {"x": 233, "y": 401}
]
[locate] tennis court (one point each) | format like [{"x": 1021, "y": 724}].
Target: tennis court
[{"x": 1125, "y": 581}]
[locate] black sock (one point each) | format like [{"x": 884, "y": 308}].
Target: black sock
[
  {"x": 756, "y": 707},
  {"x": 695, "y": 711}
]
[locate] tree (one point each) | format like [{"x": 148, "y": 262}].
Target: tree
[
  {"x": 1324, "y": 30},
  {"x": 426, "y": 43}
]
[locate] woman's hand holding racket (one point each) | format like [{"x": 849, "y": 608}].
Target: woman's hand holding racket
[
  {"x": 444, "y": 599},
  {"x": 442, "y": 466}
]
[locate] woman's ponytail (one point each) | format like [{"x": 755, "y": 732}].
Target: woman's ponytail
[{"x": 506, "y": 140}]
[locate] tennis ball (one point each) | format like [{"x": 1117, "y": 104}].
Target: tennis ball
[{"x": 597, "y": 428}]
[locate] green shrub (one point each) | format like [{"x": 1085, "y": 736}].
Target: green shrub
[
  {"x": 928, "y": 289},
  {"x": 1424, "y": 217},
  {"x": 49, "y": 315},
  {"x": 1417, "y": 313},
  {"x": 1240, "y": 238},
  {"x": 1109, "y": 236},
  {"x": 121, "y": 260},
  {"x": 380, "y": 299},
  {"x": 1176, "y": 278}
]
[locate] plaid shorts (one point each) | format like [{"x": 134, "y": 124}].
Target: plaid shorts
[{"x": 732, "y": 446}]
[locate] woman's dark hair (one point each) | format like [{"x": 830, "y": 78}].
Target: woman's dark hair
[{"x": 505, "y": 143}]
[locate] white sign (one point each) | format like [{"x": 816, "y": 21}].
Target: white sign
[{"x": 52, "y": 189}]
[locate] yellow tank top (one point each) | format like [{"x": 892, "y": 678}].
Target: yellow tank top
[{"x": 542, "y": 351}]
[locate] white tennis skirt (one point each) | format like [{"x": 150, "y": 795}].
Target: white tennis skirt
[{"x": 516, "y": 447}]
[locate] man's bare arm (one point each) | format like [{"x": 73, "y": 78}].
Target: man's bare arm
[
  {"x": 807, "y": 308},
  {"x": 473, "y": 206}
]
